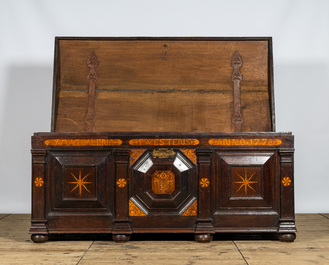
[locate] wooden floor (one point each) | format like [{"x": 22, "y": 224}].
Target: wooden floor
[{"x": 310, "y": 247}]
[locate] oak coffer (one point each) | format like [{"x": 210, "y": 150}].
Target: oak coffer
[{"x": 163, "y": 135}]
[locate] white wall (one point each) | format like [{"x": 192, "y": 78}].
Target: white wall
[{"x": 300, "y": 31}]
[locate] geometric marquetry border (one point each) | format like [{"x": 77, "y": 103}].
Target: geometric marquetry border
[
  {"x": 191, "y": 210},
  {"x": 191, "y": 154},
  {"x": 134, "y": 209},
  {"x": 134, "y": 155}
]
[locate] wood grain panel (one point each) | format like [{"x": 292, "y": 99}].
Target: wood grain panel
[
  {"x": 163, "y": 65},
  {"x": 161, "y": 85},
  {"x": 72, "y": 108}
]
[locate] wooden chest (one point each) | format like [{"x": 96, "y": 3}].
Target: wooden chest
[{"x": 163, "y": 135}]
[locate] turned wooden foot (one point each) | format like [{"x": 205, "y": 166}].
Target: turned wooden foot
[
  {"x": 203, "y": 238},
  {"x": 39, "y": 238},
  {"x": 121, "y": 238},
  {"x": 289, "y": 237}
]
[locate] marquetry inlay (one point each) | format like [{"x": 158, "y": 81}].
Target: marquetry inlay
[
  {"x": 80, "y": 182},
  {"x": 134, "y": 155},
  {"x": 134, "y": 209},
  {"x": 204, "y": 182},
  {"x": 286, "y": 181},
  {"x": 82, "y": 142},
  {"x": 191, "y": 154},
  {"x": 121, "y": 183},
  {"x": 191, "y": 210},
  {"x": 38, "y": 182},
  {"x": 176, "y": 141},
  {"x": 246, "y": 181},
  {"x": 163, "y": 182},
  {"x": 229, "y": 141}
]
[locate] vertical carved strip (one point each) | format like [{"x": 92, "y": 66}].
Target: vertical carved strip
[
  {"x": 121, "y": 224},
  {"x": 204, "y": 221},
  {"x": 38, "y": 220},
  {"x": 287, "y": 219},
  {"x": 92, "y": 78},
  {"x": 237, "y": 118}
]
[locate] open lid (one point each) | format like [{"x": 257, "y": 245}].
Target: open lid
[{"x": 163, "y": 85}]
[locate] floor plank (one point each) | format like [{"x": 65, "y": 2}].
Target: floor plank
[
  {"x": 16, "y": 247},
  {"x": 2, "y": 216},
  {"x": 312, "y": 222},
  {"x": 310, "y": 247},
  {"x": 326, "y": 215},
  {"x": 163, "y": 252}
]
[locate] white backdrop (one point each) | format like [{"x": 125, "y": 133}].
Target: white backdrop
[{"x": 300, "y": 31}]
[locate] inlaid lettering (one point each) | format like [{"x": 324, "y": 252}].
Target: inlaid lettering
[
  {"x": 178, "y": 141},
  {"x": 82, "y": 142},
  {"x": 245, "y": 142}
]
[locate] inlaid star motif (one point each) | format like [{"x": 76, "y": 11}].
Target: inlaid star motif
[
  {"x": 80, "y": 182},
  {"x": 246, "y": 181}
]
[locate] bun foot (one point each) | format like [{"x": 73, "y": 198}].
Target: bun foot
[
  {"x": 289, "y": 237},
  {"x": 203, "y": 238},
  {"x": 39, "y": 238},
  {"x": 121, "y": 238}
]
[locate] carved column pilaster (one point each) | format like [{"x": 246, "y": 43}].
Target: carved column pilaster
[
  {"x": 287, "y": 226},
  {"x": 39, "y": 183},
  {"x": 204, "y": 228},
  {"x": 122, "y": 228}
]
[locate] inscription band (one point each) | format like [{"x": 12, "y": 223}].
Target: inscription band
[
  {"x": 178, "y": 141},
  {"x": 82, "y": 142},
  {"x": 262, "y": 142}
]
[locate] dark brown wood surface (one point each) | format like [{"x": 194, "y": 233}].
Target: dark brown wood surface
[{"x": 238, "y": 182}]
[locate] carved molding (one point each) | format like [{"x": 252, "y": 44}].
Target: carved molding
[
  {"x": 92, "y": 78},
  {"x": 237, "y": 118}
]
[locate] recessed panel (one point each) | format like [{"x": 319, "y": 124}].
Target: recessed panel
[
  {"x": 79, "y": 181},
  {"x": 245, "y": 180},
  {"x": 163, "y": 185}
]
